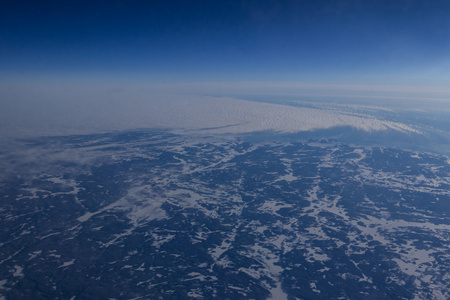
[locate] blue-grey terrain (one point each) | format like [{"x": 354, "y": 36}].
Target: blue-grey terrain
[
  {"x": 154, "y": 214},
  {"x": 150, "y": 215}
]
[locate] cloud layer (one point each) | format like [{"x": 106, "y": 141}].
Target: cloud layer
[{"x": 59, "y": 112}]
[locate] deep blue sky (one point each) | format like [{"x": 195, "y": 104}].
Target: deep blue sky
[{"x": 308, "y": 41}]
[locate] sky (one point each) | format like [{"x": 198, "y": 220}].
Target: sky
[
  {"x": 75, "y": 66},
  {"x": 316, "y": 41}
]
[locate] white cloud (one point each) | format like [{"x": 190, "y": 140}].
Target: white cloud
[{"x": 88, "y": 109}]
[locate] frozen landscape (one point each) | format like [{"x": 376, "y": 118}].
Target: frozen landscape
[{"x": 160, "y": 214}]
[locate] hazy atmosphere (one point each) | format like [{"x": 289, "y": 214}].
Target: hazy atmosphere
[{"x": 67, "y": 67}]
